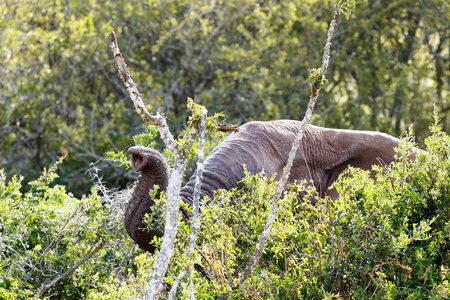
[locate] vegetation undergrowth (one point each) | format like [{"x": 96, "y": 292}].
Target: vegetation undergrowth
[{"x": 382, "y": 239}]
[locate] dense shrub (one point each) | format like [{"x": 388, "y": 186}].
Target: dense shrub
[
  {"x": 382, "y": 239},
  {"x": 46, "y": 232}
]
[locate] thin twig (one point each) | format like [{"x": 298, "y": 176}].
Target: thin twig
[
  {"x": 282, "y": 183},
  {"x": 48, "y": 247},
  {"x": 46, "y": 287},
  {"x": 195, "y": 205}
]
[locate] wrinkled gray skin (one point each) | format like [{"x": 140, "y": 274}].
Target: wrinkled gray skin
[{"x": 262, "y": 146}]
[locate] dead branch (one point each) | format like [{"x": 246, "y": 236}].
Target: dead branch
[
  {"x": 282, "y": 183},
  {"x": 155, "y": 285},
  {"x": 195, "y": 205},
  {"x": 158, "y": 120}
]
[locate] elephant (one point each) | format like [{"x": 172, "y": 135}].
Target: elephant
[{"x": 262, "y": 147}]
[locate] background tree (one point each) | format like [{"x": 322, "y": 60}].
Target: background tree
[{"x": 249, "y": 59}]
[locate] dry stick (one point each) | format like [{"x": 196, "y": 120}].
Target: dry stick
[
  {"x": 191, "y": 285},
  {"x": 158, "y": 120},
  {"x": 195, "y": 204},
  {"x": 46, "y": 287},
  {"x": 155, "y": 285},
  {"x": 282, "y": 183}
]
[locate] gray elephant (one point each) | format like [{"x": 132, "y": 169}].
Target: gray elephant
[{"x": 262, "y": 146}]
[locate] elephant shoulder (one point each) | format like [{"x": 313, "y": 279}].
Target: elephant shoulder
[{"x": 276, "y": 127}]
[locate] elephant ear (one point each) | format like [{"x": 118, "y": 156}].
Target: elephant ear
[{"x": 360, "y": 149}]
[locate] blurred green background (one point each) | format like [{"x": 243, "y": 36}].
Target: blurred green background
[{"x": 61, "y": 94}]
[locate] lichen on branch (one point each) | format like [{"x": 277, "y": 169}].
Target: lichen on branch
[{"x": 158, "y": 120}]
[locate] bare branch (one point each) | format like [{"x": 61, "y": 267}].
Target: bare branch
[
  {"x": 174, "y": 288},
  {"x": 88, "y": 256},
  {"x": 158, "y": 120},
  {"x": 191, "y": 286},
  {"x": 282, "y": 183},
  {"x": 155, "y": 285},
  {"x": 195, "y": 205}
]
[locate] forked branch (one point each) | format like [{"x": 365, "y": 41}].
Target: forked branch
[
  {"x": 157, "y": 120},
  {"x": 155, "y": 285}
]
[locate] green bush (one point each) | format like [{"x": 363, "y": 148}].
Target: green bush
[
  {"x": 382, "y": 239},
  {"x": 46, "y": 231}
]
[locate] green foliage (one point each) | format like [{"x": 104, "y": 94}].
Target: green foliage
[
  {"x": 383, "y": 238},
  {"x": 188, "y": 139},
  {"x": 380, "y": 64},
  {"x": 119, "y": 157},
  {"x": 146, "y": 139},
  {"x": 316, "y": 79},
  {"x": 212, "y": 122},
  {"x": 60, "y": 96},
  {"x": 143, "y": 139},
  {"x": 346, "y": 7},
  {"x": 44, "y": 232}
]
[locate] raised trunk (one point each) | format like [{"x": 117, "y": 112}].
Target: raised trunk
[{"x": 154, "y": 171}]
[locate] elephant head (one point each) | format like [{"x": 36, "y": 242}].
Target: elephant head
[{"x": 262, "y": 146}]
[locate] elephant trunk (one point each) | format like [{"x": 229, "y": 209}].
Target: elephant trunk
[{"x": 154, "y": 171}]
